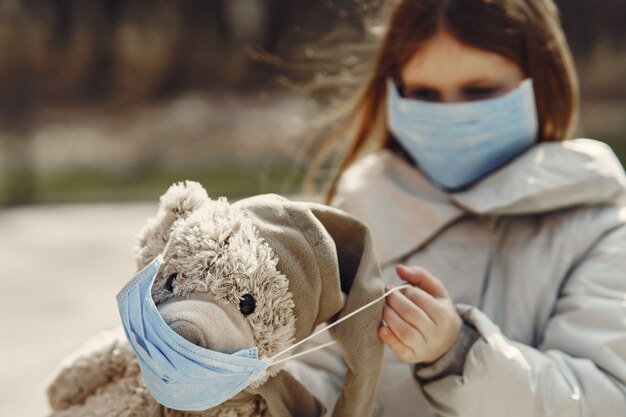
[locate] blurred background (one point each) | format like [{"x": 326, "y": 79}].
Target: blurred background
[{"x": 105, "y": 103}]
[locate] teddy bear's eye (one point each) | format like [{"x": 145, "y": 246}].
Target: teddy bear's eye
[
  {"x": 169, "y": 284},
  {"x": 247, "y": 304}
]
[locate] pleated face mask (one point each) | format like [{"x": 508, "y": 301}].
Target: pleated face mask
[
  {"x": 458, "y": 143},
  {"x": 179, "y": 374}
]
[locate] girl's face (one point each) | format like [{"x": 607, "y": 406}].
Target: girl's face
[{"x": 446, "y": 70}]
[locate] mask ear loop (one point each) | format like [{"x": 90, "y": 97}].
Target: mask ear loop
[
  {"x": 161, "y": 255},
  {"x": 358, "y": 310}
]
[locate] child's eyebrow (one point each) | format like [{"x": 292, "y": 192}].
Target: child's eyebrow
[{"x": 472, "y": 82}]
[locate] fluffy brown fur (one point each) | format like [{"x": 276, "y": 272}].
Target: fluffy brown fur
[{"x": 215, "y": 249}]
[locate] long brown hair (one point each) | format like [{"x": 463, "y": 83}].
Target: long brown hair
[{"x": 528, "y": 32}]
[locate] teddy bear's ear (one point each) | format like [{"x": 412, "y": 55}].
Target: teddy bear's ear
[{"x": 178, "y": 202}]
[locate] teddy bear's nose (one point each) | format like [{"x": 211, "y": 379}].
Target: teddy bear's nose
[
  {"x": 212, "y": 325},
  {"x": 189, "y": 331}
]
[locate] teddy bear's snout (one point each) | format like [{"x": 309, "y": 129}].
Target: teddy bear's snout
[{"x": 208, "y": 322}]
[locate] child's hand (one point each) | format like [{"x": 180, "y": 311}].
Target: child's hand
[{"x": 421, "y": 321}]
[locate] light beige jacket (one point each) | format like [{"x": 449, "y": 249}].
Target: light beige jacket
[{"x": 534, "y": 257}]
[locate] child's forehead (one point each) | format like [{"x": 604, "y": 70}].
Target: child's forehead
[{"x": 445, "y": 60}]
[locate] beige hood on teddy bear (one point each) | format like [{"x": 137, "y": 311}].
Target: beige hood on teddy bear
[{"x": 328, "y": 257}]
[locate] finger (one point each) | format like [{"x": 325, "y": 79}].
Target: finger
[
  {"x": 399, "y": 348},
  {"x": 422, "y": 278},
  {"x": 410, "y": 311},
  {"x": 407, "y": 334},
  {"x": 430, "y": 305}
]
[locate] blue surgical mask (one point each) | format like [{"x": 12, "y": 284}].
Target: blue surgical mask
[
  {"x": 458, "y": 143},
  {"x": 179, "y": 374}
]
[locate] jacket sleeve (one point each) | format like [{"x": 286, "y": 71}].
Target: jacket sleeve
[{"x": 577, "y": 370}]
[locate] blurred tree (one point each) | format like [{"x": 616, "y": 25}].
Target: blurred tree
[
  {"x": 586, "y": 22},
  {"x": 148, "y": 47},
  {"x": 68, "y": 41},
  {"x": 17, "y": 86}
]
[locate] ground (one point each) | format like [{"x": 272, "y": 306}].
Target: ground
[{"x": 61, "y": 269}]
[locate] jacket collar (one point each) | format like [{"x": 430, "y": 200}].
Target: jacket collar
[{"x": 404, "y": 210}]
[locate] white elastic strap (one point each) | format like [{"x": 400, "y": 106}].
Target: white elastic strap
[
  {"x": 358, "y": 310},
  {"x": 161, "y": 255},
  {"x": 167, "y": 245},
  {"x": 304, "y": 352}
]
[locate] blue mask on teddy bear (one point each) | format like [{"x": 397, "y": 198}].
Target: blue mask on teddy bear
[{"x": 179, "y": 374}]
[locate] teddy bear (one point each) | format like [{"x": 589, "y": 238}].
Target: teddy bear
[{"x": 261, "y": 273}]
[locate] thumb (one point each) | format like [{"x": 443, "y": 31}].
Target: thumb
[{"x": 422, "y": 278}]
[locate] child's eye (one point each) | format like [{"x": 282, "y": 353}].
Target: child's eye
[
  {"x": 477, "y": 93},
  {"x": 428, "y": 94},
  {"x": 169, "y": 284}
]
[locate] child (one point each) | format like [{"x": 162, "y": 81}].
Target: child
[{"x": 512, "y": 233}]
